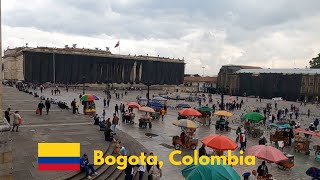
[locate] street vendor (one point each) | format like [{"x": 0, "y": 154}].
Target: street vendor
[{"x": 183, "y": 137}]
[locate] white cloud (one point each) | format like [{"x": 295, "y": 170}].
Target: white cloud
[{"x": 208, "y": 34}]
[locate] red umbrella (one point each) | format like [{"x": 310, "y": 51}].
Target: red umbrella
[
  {"x": 134, "y": 105},
  {"x": 219, "y": 142},
  {"x": 267, "y": 153},
  {"x": 189, "y": 112}
]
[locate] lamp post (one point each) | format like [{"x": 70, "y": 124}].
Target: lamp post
[
  {"x": 148, "y": 91},
  {"x": 83, "y": 83},
  {"x": 223, "y": 91}
]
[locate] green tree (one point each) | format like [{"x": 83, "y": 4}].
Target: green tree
[{"x": 315, "y": 62}]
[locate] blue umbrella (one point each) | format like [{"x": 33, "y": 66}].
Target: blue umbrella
[
  {"x": 155, "y": 104},
  {"x": 159, "y": 98},
  {"x": 183, "y": 106},
  {"x": 143, "y": 99}
]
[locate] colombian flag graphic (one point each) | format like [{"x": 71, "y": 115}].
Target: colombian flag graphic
[{"x": 59, "y": 156}]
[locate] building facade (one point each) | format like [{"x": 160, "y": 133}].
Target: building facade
[
  {"x": 290, "y": 84},
  {"x": 75, "y": 65},
  {"x": 199, "y": 83},
  {"x": 226, "y": 74}
]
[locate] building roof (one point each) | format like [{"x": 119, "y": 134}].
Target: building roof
[
  {"x": 280, "y": 71},
  {"x": 242, "y": 66},
  {"x": 207, "y": 79},
  {"x": 87, "y": 52}
]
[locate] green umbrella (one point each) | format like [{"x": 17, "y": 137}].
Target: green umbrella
[
  {"x": 253, "y": 117},
  {"x": 205, "y": 109},
  {"x": 210, "y": 172}
]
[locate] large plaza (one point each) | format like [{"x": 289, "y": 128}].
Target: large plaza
[{"x": 62, "y": 125}]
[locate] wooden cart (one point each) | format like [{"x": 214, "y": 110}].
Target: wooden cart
[
  {"x": 286, "y": 164},
  {"x": 302, "y": 144},
  {"x": 278, "y": 136}
]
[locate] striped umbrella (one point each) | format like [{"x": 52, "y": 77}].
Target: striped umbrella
[
  {"x": 185, "y": 123},
  {"x": 89, "y": 97}
]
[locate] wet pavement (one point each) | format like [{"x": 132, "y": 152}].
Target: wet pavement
[
  {"x": 161, "y": 144},
  {"x": 58, "y": 126}
]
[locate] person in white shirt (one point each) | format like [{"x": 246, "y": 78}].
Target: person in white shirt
[
  {"x": 141, "y": 170},
  {"x": 253, "y": 176}
]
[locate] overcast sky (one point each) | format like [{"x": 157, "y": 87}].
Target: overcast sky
[{"x": 207, "y": 33}]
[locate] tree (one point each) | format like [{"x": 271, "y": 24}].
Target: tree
[{"x": 315, "y": 62}]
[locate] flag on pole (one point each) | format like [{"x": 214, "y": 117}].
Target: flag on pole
[{"x": 118, "y": 44}]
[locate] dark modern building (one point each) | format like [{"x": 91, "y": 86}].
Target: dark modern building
[
  {"x": 76, "y": 65},
  {"x": 290, "y": 84}
]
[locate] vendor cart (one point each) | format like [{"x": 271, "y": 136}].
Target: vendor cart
[
  {"x": 286, "y": 164},
  {"x": 279, "y": 136},
  {"x": 253, "y": 130},
  {"x": 302, "y": 144}
]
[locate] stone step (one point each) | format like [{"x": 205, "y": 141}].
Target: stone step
[{"x": 81, "y": 175}]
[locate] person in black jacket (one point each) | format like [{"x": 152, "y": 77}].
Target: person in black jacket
[
  {"x": 149, "y": 167},
  {"x": 202, "y": 151},
  {"x": 48, "y": 105},
  {"x": 262, "y": 169},
  {"x": 129, "y": 171},
  {"x": 40, "y": 107}
]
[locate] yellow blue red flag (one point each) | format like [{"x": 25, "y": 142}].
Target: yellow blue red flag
[{"x": 59, "y": 156}]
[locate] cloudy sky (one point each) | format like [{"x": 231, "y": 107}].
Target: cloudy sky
[{"x": 207, "y": 33}]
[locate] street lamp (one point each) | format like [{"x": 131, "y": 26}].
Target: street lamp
[
  {"x": 203, "y": 70},
  {"x": 148, "y": 93},
  {"x": 223, "y": 91},
  {"x": 83, "y": 83}
]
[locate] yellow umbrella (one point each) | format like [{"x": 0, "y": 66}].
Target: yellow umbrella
[
  {"x": 223, "y": 113},
  {"x": 185, "y": 123}
]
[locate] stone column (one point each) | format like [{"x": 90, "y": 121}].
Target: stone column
[{"x": 134, "y": 72}]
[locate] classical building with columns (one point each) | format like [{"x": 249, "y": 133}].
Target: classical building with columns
[{"x": 78, "y": 65}]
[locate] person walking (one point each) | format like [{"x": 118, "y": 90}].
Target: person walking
[
  {"x": 309, "y": 113},
  {"x": 242, "y": 141},
  {"x": 262, "y": 169},
  {"x": 104, "y": 114},
  {"x": 40, "y": 107},
  {"x": 104, "y": 102},
  {"x": 163, "y": 112},
  {"x": 149, "y": 167},
  {"x": 73, "y": 105},
  {"x": 16, "y": 121},
  {"x": 129, "y": 171},
  {"x": 115, "y": 122},
  {"x": 48, "y": 105},
  {"x": 7, "y": 114},
  {"x": 108, "y": 103},
  {"x": 41, "y": 88},
  {"x": 116, "y": 109},
  {"x": 156, "y": 172},
  {"x": 77, "y": 107},
  {"x": 141, "y": 170}
]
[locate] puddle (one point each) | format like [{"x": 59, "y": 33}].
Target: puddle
[
  {"x": 167, "y": 146},
  {"x": 151, "y": 135}
]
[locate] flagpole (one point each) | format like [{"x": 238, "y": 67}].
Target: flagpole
[{"x": 119, "y": 47}]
